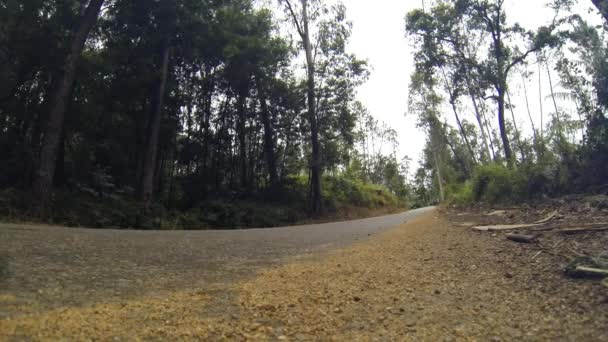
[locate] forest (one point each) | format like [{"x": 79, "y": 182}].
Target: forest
[
  {"x": 183, "y": 114},
  {"x": 187, "y": 114}
]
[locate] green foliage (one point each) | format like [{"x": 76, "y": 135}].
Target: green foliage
[
  {"x": 460, "y": 193},
  {"x": 495, "y": 183},
  {"x": 341, "y": 192}
]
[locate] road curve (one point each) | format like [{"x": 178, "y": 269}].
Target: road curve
[{"x": 56, "y": 266}]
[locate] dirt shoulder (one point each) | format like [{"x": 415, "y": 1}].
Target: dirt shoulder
[{"x": 427, "y": 280}]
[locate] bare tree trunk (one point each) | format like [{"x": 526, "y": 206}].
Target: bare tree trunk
[
  {"x": 500, "y": 84},
  {"x": 460, "y": 127},
  {"x": 502, "y": 127},
  {"x": 484, "y": 137},
  {"x": 536, "y": 142},
  {"x": 439, "y": 178},
  {"x": 557, "y": 117},
  {"x": 151, "y": 154},
  {"x": 167, "y": 170},
  {"x": 241, "y": 108},
  {"x": 302, "y": 25},
  {"x": 316, "y": 205},
  {"x": 489, "y": 131},
  {"x": 206, "y": 125},
  {"x": 540, "y": 100},
  {"x": 59, "y": 178},
  {"x": 517, "y": 133},
  {"x": 59, "y": 98}
]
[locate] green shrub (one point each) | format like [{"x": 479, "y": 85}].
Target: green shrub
[
  {"x": 495, "y": 183},
  {"x": 342, "y": 192},
  {"x": 460, "y": 193}
]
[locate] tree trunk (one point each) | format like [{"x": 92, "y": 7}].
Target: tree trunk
[
  {"x": 540, "y": 100},
  {"x": 517, "y": 133},
  {"x": 241, "y": 108},
  {"x": 560, "y": 133},
  {"x": 315, "y": 177},
  {"x": 489, "y": 131},
  {"x": 151, "y": 151},
  {"x": 535, "y": 136},
  {"x": 207, "y": 113},
  {"x": 439, "y": 178},
  {"x": 501, "y": 83},
  {"x": 503, "y": 129},
  {"x": 484, "y": 137},
  {"x": 268, "y": 141},
  {"x": 58, "y": 103},
  {"x": 59, "y": 178},
  {"x": 458, "y": 121},
  {"x": 167, "y": 171}
]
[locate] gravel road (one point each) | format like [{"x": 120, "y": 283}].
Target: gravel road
[{"x": 46, "y": 267}]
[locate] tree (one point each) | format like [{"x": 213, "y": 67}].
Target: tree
[
  {"x": 302, "y": 19},
  {"x": 331, "y": 75},
  {"x": 57, "y": 103},
  {"x": 445, "y": 37},
  {"x": 491, "y": 17},
  {"x": 166, "y": 22}
]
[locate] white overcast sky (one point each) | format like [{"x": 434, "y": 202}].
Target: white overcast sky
[{"x": 379, "y": 36}]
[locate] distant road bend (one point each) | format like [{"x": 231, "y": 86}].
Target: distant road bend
[{"x": 55, "y": 266}]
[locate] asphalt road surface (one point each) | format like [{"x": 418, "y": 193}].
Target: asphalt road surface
[{"x": 48, "y": 267}]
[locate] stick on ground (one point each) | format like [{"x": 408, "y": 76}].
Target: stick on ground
[{"x": 522, "y": 238}]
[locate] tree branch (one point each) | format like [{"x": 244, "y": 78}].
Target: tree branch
[
  {"x": 521, "y": 58},
  {"x": 294, "y": 16}
]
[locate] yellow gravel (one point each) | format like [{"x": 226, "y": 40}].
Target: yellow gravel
[{"x": 425, "y": 281}]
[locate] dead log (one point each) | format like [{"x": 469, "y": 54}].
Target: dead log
[{"x": 522, "y": 238}]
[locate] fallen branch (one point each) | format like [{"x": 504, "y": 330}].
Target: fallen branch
[
  {"x": 505, "y": 227},
  {"x": 605, "y": 282},
  {"x": 497, "y": 213},
  {"x": 548, "y": 218},
  {"x": 523, "y": 238}
]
